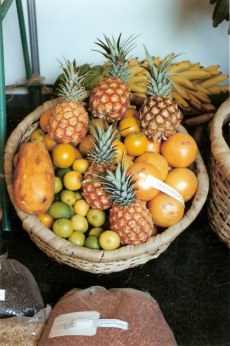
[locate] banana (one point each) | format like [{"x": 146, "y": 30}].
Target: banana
[
  {"x": 214, "y": 80},
  {"x": 218, "y": 89},
  {"x": 184, "y": 82},
  {"x": 136, "y": 70},
  {"x": 180, "y": 66},
  {"x": 133, "y": 62},
  {"x": 141, "y": 78},
  {"x": 194, "y": 74},
  {"x": 138, "y": 88},
  {"x": 200, "y": 96},
  {"x": 195, "y": 102},
  {"x": 213, "y": 69},
  {"x": 182, "y": 103}
]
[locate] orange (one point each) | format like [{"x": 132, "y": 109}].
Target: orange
[
  {"x": 80, "y": 165},
  {"x": 37, "y": 135},
  {"x": 46, "y": 219},
  {"x": 49, "y": 142},
  {"x": 154, "y": 147},
  {"x": 157, "y": 160},
  {"x": 180, "y": 150},
  {"x": 44, "y": 119},
  {"x": 86, "y": 145},
  {"x": 109, "y": 240},
  {"x": 165, "y": 210},
  {"x": 120, "y": 150},
  {"x": 184, "y": 181},
  {"x": 127, "y": 126},
  {"x": 78, "y": 155},
  {"x": 131, "y": 112},
  {"x": 63, "y": 155},
  {"x": 72, "y": 180},
  {"x": 135, "y": 143},
  {"x": 140, "y": 171}
]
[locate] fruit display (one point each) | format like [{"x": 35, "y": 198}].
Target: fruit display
[{"x": 121, "y": 173}]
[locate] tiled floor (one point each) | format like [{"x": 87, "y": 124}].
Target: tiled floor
[{"x": 190, "y": 280}]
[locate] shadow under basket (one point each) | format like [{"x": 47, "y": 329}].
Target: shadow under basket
[
  {"x": 219, "y": 172},
  {"x": 96, "y": 261}
]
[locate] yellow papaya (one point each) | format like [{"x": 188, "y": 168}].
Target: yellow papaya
[{"x": 33, "y": 184}]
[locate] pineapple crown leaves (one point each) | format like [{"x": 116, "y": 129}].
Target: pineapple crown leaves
[
  {"x": 160, "y": 82},
  {"x": 116, "y": 51},
  {"x": 119, "y": 185},
  {"x": 72, "y": 87},
  {"x": 104, "y": 149}
]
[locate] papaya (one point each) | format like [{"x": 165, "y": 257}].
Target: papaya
[{"x": 33, "y": 181}]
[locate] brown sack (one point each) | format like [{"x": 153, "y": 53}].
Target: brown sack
[{"x": 146, "y": 324}]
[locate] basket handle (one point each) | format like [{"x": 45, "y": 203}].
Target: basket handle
[{"x": 219, "y": 148}]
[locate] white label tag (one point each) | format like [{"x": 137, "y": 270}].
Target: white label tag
[
  {"x": 150, "y": 181},
  {"x": 2, "y": 295},
  {"x": 83, "y": 323},
  {"x": 75, "y": 323}
]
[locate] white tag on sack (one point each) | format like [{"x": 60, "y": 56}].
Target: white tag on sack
[
  {"x": 2, "y": 295},
  {"x": 150, "y": 181},
  {"x": 83, "y": 323}
]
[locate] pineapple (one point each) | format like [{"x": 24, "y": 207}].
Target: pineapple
[
  {"x": 159, "y": 115},
  {"x": 69, "y": 120},
  {"x": 111, "y": 97},
  {"x": 129, "y": 217},
  {"x": 102, "y": 156}
]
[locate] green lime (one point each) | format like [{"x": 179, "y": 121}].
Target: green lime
[
  {"x": 92, "y": 242},
  {"x": 57, "y": 184},
  {"x": 60, "y": 209},
  {"x": 60, "y": 172},
  {"x": 78, "y": 195},
  {"x": 63, "y": 227}
]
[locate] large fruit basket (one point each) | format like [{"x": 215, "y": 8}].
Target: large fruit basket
[
  {"x": 85, "y": 259},
  {"x": 219, "y": 198}
]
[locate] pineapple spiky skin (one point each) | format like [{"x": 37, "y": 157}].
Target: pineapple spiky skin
[
  {"x": 129, "y": 217},
  {"x": 93, "y": 192},
  {"x": 69, "y": 120},
  {"x": 159, "y": 118},
  {"x": 68, "y": 123},
  {"x": 133, "y": 223},
  {"x": 110, "y": 99},
  {"x": 102, "y": 157}
]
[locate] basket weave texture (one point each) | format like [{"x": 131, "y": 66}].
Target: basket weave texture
[
  {"x": 219, "y": 197},
  {"x": 96, "y": 261}
]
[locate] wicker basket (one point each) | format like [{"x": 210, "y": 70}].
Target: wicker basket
[
  {"x": 96, "y": 261},
  {"x": 219, "y": 197}
]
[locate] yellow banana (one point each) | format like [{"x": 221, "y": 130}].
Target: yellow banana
[
  {"x": 138, "y": 88},
  {"x": 182, "y": 91},
  {"x": 213, "y": 69},
  {"x": 182, "y": 103},
  {"x": 180, "y": 66},
  {"x": 133, "y": 62},
  {"x": 195, "y": 102},
  {"x": 196, "y": 74},
  {"x": 218, "y": 89},
  {"x": 136, "y": 70},
  {"x": 202, "y": 89},
  {"x": 213, "y": 81},
  {"x": 201, "y": 96},
  {"x": 138, "y": 79},
  {"x": 183, "y": 81}
]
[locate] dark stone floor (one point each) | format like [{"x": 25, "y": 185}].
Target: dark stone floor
[{"x": 190, "y": 280}]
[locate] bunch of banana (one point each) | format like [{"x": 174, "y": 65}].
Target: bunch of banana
[{"x": 193, "y": 84}]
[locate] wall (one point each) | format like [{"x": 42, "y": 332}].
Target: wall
[{"x": 69, "y": 28}]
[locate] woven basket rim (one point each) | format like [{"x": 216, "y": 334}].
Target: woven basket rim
[
  {"x": 42, "y": 235},
  {"x": 219, "y": 148}
]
